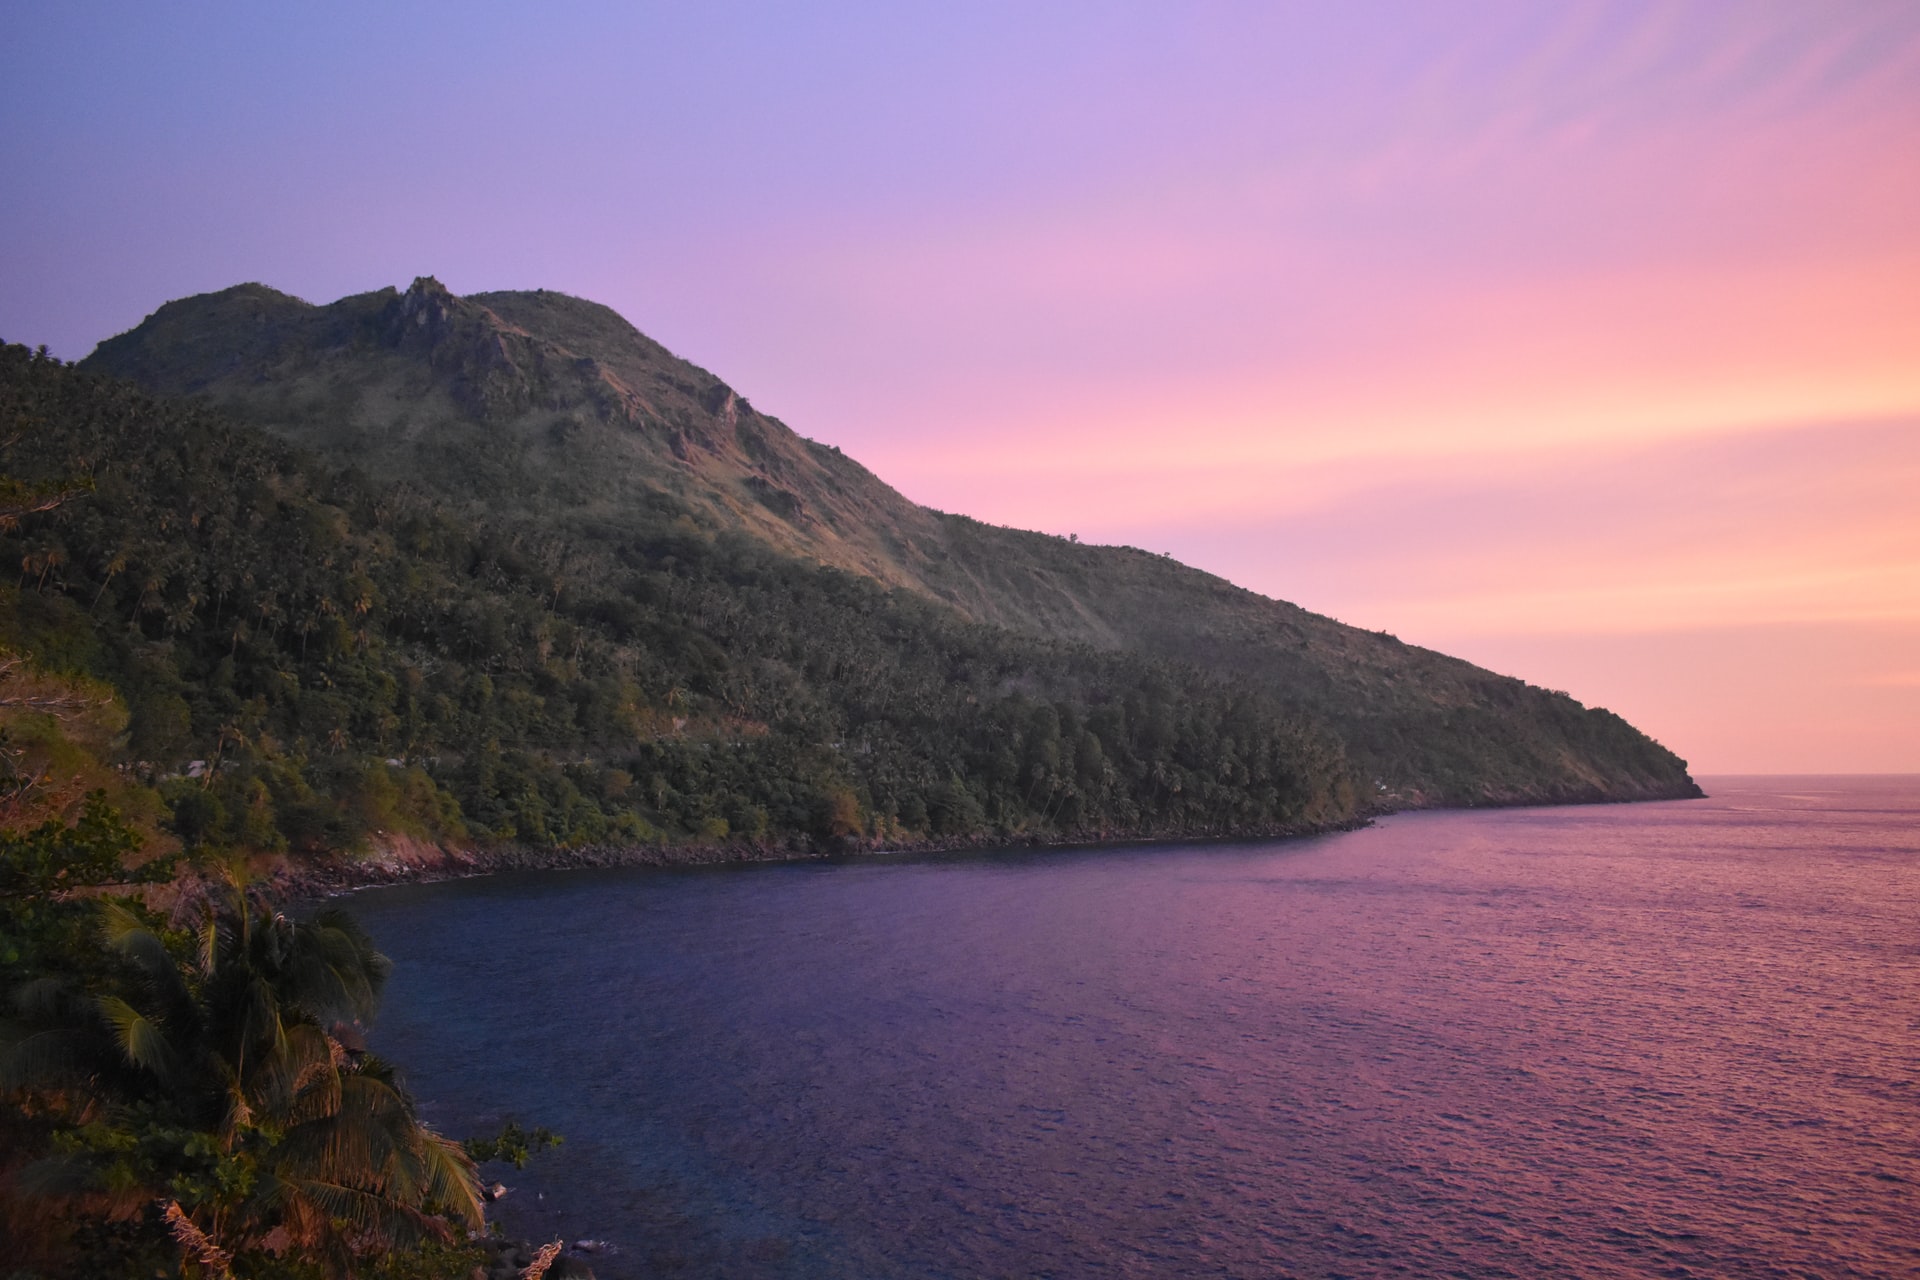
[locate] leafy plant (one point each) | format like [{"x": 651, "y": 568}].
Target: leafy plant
[{"x": 189, "y": 1086}]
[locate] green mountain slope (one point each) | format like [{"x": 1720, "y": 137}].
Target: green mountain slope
[
  {"x": 556, "y": 419},
  {"x": 313, "y": 660}
]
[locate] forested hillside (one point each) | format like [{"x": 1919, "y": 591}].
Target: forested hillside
[
  {"x": 470, "y": 611},
  {"x": 597, "y": 456},
  {"x": 309, "y": 657}
]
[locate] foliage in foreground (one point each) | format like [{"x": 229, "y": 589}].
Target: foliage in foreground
[{"x": 176, "y": 1101}]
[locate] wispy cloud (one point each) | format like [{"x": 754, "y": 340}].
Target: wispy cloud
[
  {"x": 1787, "y": 525},
  {"x": 1493, "y": 320}
]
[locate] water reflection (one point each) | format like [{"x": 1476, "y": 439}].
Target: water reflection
[{"x": 1615, "y": 1041}]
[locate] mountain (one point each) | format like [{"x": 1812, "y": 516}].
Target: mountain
[{"x": 582, "y": 442}]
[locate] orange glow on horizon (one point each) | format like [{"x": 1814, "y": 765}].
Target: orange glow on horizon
[
  {"x": 1558, "y": 332},
  {"x": 1617, "y": 362}
]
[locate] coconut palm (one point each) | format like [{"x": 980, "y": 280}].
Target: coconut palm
[{"x": 219, "y": 1096}]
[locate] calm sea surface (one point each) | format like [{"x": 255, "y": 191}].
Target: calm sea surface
[{"x": 1675, "y": 1039}]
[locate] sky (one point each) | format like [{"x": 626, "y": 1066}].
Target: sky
[{"x": 1581, "y": 340}]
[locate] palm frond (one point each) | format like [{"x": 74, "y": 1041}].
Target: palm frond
[
  {"x": 126, "y": 933},
  {"x": 42, "y": 999},
  {"x": 58, "y": 1177},
  {"x": 55, "y": 1059},
  {"x": 303, "y": 1082},
  {"x": 384, "y": 1221},
  {"x": 333, "y": 971},
  {"x": 117, "y": 920},
  {"x": 142, "y": 1040},
  {"x": 206, "y": 948},
  {"x": 238, "y": 1115},
  {"x": 451, "y": 1179}
]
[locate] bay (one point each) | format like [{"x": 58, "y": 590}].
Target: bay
[{"x": 1642, "y": 1040}]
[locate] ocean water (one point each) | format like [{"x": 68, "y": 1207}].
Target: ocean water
[{"x": 1675, "y": 1039}]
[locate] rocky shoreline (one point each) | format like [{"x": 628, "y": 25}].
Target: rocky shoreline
[
  {"x": 558, "y": 1260},
  {"x": 405, "y": 860},
  {"x": 401, "y": 859}
]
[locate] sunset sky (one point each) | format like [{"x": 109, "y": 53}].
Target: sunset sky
[{"x": 1580, "y": 340}]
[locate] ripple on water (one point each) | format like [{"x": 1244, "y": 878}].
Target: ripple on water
[{"x": 1652, "y": 1040}]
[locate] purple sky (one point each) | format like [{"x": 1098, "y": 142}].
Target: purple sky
[{"x": 1582, "y": 340}]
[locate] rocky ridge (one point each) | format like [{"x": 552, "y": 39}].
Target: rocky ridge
[{"x": 558, "y": 415}]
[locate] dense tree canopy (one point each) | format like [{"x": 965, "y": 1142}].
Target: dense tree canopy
[
  {"x": 309, "y": 658},
  {"x": 272, "y": 657}
]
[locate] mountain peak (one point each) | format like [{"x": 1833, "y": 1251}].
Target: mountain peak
[
  {"x": 426, "y": 302},
  {"x": 533, "y": 399},
  {"x": 554, "y": 416}
]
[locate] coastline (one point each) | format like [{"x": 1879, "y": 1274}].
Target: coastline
[
  {"x": 1312, "y": 913},
  {"x": 405, "y": 860},
  {"x": 400, "y": 859}
]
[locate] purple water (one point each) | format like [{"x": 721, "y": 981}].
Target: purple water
[{"x": 1676, "y": 1039}]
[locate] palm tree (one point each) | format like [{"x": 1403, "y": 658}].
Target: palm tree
[{"x": 281, "y": 1138}]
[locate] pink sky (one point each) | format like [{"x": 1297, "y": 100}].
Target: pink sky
[{"x": 1582, "y": 340}]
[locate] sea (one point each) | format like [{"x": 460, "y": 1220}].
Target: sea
[{"x": 1677, "y": 1039}]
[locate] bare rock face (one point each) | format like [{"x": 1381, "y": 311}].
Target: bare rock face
[
  {"x": 784, "y": 503},
  {"x": 541, "y": 398},
  {"x": 720, "y": 401},
  {"x": 427, "y": 304},
  {"x": 537, "y": 408},
  {"x": 490, "y": 370}
]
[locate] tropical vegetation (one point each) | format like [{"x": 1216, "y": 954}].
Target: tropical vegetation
[
  {"x": 295, "y": 585},
  {"x": 310, "y": 660},
  {"x": 180, "y": 1101}
]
